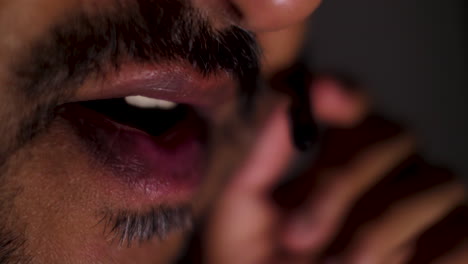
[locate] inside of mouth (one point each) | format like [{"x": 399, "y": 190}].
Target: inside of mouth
[{"x": 154, "y": 121}]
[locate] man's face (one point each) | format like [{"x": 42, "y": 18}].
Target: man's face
[{"x": 91, "y": 172}]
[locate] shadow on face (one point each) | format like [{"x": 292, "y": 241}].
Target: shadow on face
[{"x": 119, "y": 122}]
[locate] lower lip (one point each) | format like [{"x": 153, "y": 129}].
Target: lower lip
[{"x": 167, "y": 165}]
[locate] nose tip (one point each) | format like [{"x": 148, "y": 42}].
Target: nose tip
[{"x": 269, "y": 15}]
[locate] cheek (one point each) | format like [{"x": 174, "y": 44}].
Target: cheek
[
  {"x": 55, "y": 209},
  {"x": 58, "y": 207},
  {"x": 21, "y": 23}
]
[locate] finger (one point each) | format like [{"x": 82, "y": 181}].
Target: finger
[
  {"x": 336, "y": 100},
  {"x": 400, "y": 256},
  {"x": 241, "y": 228},
  {"x": 403, "y": 222},
  {"x": 444, "y": 241},
  {"x": 270, "y": 157},
  {"x": 315, "y": 224},
  {"x": 457, "y": 256},
  {"x": 336, "y": 104}
]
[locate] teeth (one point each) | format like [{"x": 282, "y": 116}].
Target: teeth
[{"x": 146, "y": 102}]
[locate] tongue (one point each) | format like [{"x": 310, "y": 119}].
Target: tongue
[{"x": 154, "y": 121}]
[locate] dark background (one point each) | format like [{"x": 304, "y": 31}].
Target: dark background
[{"x": 411, "y": 55}]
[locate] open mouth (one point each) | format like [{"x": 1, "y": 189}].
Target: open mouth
[
  {"x": 147, "y": 129},
  {"x": 162, "y": 120},
  {"x": 146, "y": 143}
]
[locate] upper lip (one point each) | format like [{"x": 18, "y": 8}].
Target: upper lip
[{"x": 172, "y": 82}]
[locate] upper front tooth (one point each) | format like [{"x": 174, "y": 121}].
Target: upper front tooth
[{"x": 146, "y": 102}]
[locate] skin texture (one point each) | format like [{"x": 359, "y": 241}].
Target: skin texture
[
  {"x": 281, "y": 48},
  {"x": 51, "y": 192}
]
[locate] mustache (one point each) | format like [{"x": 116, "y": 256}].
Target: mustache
[
  {"x": 83, "y": 44},
  {"x": 146, "y": 31}
]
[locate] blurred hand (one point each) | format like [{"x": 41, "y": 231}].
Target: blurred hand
[{"x": 366, "y": 198}]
